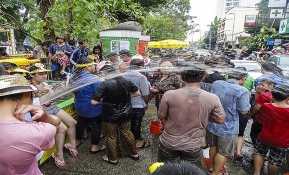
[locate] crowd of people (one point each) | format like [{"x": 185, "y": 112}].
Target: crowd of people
[{"x": 199, "y": 106}]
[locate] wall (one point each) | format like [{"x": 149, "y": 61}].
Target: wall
[{"x": 240, "y": 13}]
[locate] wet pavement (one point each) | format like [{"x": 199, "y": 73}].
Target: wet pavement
[{"x": 91, "y": 164}]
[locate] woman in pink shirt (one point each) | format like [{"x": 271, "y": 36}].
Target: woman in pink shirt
[{"x": 22, "y": 136}]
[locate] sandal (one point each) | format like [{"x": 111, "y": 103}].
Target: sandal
[
  {"x": 134, "y": 158},
  {"x": 238, "y": 157},
  {"x": 108, "y": 161},
  {"x": 59, "y": 163},
  {"x": 144, "y": 145},
  {"x": 72, "y": 151},
  {"x": 100, "y": 149}
]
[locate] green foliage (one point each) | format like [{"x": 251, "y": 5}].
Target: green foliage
[
  {"x": 214, "y": 33},
  {"x": 263, "y": 18},
  {"x": 261, "y": 38},
  {"x": 170, "y": 21}
]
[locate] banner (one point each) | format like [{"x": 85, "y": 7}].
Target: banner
[
  {"x": 250, "y": 20},
  {"x": 116, "y": 44}
]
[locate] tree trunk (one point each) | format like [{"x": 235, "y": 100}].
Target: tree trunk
[
  {"x": 45, "y": 6},
  {"x": 69, "y": 19}
]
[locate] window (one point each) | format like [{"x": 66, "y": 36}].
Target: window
[
  {"x": 228, "y": 8},
  {"x": 235, "y": 3},
  {"x": 284, "y": 61},
  {"x": 228, "y": 4}
]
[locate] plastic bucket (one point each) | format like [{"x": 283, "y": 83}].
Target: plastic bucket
[{"x": 156, "y": 127}]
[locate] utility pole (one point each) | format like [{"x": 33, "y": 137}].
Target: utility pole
[{"x": 210, "y": 40}]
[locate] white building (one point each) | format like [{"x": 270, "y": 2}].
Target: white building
[
  {"x": 223, "y": 6},
  {"x": 232, "y": 25}
]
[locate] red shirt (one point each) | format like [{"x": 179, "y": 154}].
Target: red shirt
[
  {"x": 263, "y": 98},
  {"x": 275, "y": 131}
]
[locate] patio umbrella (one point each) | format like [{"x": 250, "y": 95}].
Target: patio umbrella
[{"x": 174, "y": 44}]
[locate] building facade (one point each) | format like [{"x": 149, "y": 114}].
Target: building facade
[
  {"x": 231, "y": 26},
  {"x": 223, "y": 6}
]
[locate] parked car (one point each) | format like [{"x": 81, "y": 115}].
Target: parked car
[
  {"x": 253, "y": 67},
  {"x": 281, "y": 61}
]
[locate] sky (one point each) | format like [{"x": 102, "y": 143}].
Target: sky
[{"x": 205, "y": 10}]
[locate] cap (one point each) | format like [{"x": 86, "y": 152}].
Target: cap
[
  {"x": 125, "y": 52},
  {"x": 112, "y": 54},
  {"x": 60, "y": 37}
]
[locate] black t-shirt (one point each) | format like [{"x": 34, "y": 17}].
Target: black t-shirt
[
  {"x": 245, "y": 54},
  {"x": 116, "y": 101},
  {"x": 231, "y": 54}
]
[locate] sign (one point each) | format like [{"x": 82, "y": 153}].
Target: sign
[
  {"x": 250, "y": 20},
  {"x": 274, "y": 42},
  {"x": 116, "y": 44},
  {"x": 277, "y": 3},
  {"x": 278, "y": 42},
  {"x": 284, "y": 26},
  {"x": 276, "y": 13},
  {"x": 270, "y": 42}
]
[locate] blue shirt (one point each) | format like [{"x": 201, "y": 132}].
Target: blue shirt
[
  {"x": 83, "y": 96},
  {"x": 78, "y": 53},
  {"x": 55, "y": 47},
  {"x": 268, "y": 75},
  {"x": 141, "y": 82},
  {"x": 234, "y": 98}
]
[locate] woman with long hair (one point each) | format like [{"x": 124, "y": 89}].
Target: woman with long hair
[
  {"x": 115, "y": 95},
  {"x": 97, "y": 53}
]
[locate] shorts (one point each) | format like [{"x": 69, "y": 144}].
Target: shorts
[
  {"x": 276, "y": 155},
  {"x": 226, "y": 145},
  {"x": 243, "y": 121},
  {"x": 52, "y": 109}
]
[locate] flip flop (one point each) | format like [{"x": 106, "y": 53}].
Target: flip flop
[
  {"x": 81, "y": 141},
  {"x": 59, "y": 163},
  {"x": 72, "y": 151},
  {"x": 134, "y": 158},
  {"x": 238, "y": 157},
  {"x": 144, "y": 145},
  {"x": 109, "y": 161},
  {"x": 99, "y": 149}
]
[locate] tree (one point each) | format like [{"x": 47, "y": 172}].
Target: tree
[
  {"x": 170, "y": 21},
  {"x": 258, "y": 41},
  {"x": 214, "y": 33}
]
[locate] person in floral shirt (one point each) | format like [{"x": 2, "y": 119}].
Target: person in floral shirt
[{"x": 165, "y": 82}]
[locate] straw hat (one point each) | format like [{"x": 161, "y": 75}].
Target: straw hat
[
  {"x": 137, "y": 56},
  {"x": 13, "y": 84},
  {"x": 37, "y": 68},
  {"x": 17, "y": 69}
]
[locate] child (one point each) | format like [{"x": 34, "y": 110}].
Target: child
[
  {"x": 63, "y": 61},
  {"x": 266, "y": 84},
  {"x": 274, "y": 136}
]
